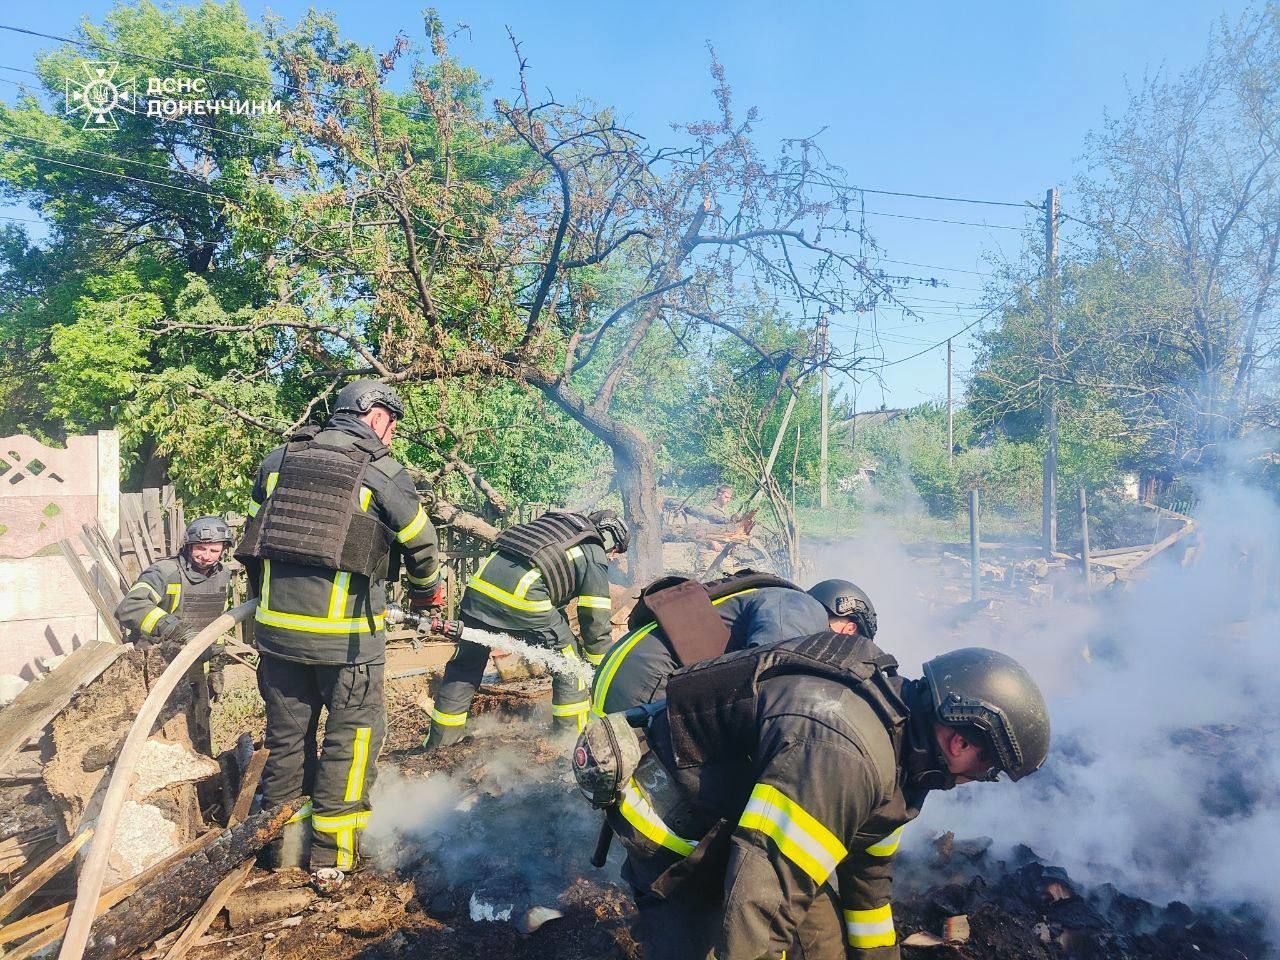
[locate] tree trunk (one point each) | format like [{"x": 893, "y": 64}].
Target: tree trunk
[{"x": 635, "y": 472}]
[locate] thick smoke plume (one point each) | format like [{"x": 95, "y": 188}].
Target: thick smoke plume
[{"x": 1164, "y": 777}]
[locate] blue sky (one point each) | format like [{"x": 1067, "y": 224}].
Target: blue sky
[{"x": 987, "y": 101}]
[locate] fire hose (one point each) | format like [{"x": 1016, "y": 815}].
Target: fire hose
[{"x": 427, "y": 623}]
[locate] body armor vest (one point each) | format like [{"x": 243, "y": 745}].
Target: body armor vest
[
  {"x": 202, "y": 603},
  {"x": 683, "y": 608},
  {"x": 542, "y": 543},
  {"x": 312, "y": 518}
]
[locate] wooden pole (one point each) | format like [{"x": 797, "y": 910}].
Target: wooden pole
[
  {"x": 975, "y": 552},
  {"x": 1049, "y": 494},
  {"x": 823, "y": 463},
  {"x": 951, "y": 423},
  {"x": 1086, "y": 557},
  {"x": 95, "y": 865}
]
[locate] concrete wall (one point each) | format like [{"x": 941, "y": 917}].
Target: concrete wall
[{"x": 46, "y": 493}]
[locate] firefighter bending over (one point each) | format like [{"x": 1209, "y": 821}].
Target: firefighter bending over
[
  {"x": 333, "y": 515},
  {"x": 772, "y": 771},
  {"x": 522, "y": 589},
  {"x": 176, "y": 598}
]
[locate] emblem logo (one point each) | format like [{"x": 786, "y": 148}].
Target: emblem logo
[{"x": 98, "y": 95}]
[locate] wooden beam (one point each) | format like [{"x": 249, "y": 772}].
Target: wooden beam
[
  {"x": 209, "y": 910},
  {"x": 42, "y": 874},
  {"x": 107, "y": 613}
]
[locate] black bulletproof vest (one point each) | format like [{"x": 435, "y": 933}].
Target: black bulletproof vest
[
  {"x": 711, "y": 706},
  {"x": 542, "y": 543},
  {"x": 312, "y": 517},
  {"x": 202, "y": 603},
  {"x": 683, "y": 608}
]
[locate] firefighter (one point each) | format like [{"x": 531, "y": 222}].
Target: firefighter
[
  {"x": 522, "y": 589},
  {"x": 754, "y": 608},
  {"x": 176, "y": 598},
  {"x": 775, "y": 770},
  {"x": 332, "y": 517}
]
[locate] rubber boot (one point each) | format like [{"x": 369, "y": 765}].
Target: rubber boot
[
  {"x": 291, "y": 849},
  {"x": 443, "y": 736}
]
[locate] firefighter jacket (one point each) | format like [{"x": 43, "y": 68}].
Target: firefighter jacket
[
  {"x": 508, "y": 595},
  {"x": 771, "y": 775},
  {"x": 318, "y": 615},
  {"x": 173, "y": 586},
  {"x": 636, "y": 668}
]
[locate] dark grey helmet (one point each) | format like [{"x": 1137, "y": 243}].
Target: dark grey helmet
[
  {"x": 975, "y": 687},
  {"x": 845, "y": 599},
  {"x": 361, "y": 396},
  {"x": 207, "y": 530},
  {"x": 613, "y": 529}
]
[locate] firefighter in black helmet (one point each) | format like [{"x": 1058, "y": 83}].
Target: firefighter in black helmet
[
  {"x": 774, "y": 771},
  {"x": 848, "y": 605},
  {"x": 333, "y": 518},
  {"x": 522, "y": 589},
  {"x": 177, "y": 597}
]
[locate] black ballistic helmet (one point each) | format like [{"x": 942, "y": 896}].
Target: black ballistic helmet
[
  {"x": 974, "y": 687},
  {"x": 361, "y": 396},
  {"x": 207, "y": 530},
  {"x": 845, "y": 599},
  {"x": 612, "y": 529}
]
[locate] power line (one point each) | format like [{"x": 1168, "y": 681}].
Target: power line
[
  {"x": 967, "y": 327},
  {"x": 933, "y": 266},
  {"x": 930, "y": 196},
  {"x": 962, "y": 223},
  {"x": 125, "y": 176},
  {"x": 106, "y": 156}
]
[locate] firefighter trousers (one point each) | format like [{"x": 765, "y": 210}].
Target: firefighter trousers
[
  {"x": 570, "y": 695},
  {"x": 339, "y": 779}
]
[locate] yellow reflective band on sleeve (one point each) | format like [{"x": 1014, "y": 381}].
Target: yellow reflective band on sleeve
[
  {"x": 272, "y": 477},
  {"x": 155, "y": 597},
  {"x": 343, "y": 828},
  {"x": 426, "y": 581},
  {"x": 414, "y": 527},
  {"x": 303, "y": 814},
  {"x": 254, "y": 507},
  {"x": 888, "y": 846},
  {"x": 365, "y": 496},
  {"x": 613, "y": 660},
  {"x": 359, "y": 762},
  {"x": 173, "y": 590},
  {"x": 150, "y": 620},
  {"x": 448, "y": 719},
  {"x": 797, "y": 834},
  {"x": 596, "y": 603},
  {"x": 527, "y": 581},
  {"x": 870, "y": 928},
  {"x": 573, "y": 553},
  {"x": 338, "y": 595},
  {"x": 638, "y": 811}
]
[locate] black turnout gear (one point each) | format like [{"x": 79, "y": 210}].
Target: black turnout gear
[
  {"x": 361, "y": 396},
  {"x": 522, "y": 589},
  {"x": 745, "y": 609},
  {"x": 207, "y": 530},
  {"x": 845, "y": 599},
  {"x": 323, "y": 505},
  {"x": 991, "y": 691}
]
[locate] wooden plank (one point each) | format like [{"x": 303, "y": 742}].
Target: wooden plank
[
  {"x": 106, "y": 611},
  {"x": 209, "y": 910},
  {"x": 141, "y": 534},
  {"x": 41, "y": 701},
  {"x": 248, "y": 785},
  {"x": 108, "y": 554},
  {"x": 1164, "y": 544},
  {"x": 153, "y": 517},
  {"x": 42, "y": 874},
  {"x": 104, "y": 575}
]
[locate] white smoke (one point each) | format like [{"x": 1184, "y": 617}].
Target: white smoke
[{"x": 1164, "y": 776}]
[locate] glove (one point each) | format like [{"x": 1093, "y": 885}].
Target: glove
[
  {"x": 168, "y": 627},
  {"x": 429, "y": 601}
]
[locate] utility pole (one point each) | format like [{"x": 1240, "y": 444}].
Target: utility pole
[
  {"x": 822, "y": 456},
  {"x": 951, "y": 423},
  {"x": 1049, "y": 500}
]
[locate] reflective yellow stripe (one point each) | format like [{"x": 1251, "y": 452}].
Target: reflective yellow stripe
[
  {"x": 174, "y": 590},
  {"x": 414, "y": 526},
  {"x": 365, "y": 496},
  {"x": 149, "y": 621},
  {"x": 595, "y": 659},
  {"x": 426, "y": 581},
  {"x": 328, "y": 824},
  {"x": 613, "y": 661},
  {"x": 264, "y": 601},
  {"x": 303, "y": 814},
  {"x": 596, "y": 603},
  {"x": 573, "y": 553},
  {"x": 571, "y": 654},
  {"x": 296, "y": 621},
  {"x": 254, "y": 507},
  {"x": 618, "y": 653},
  {"x": 570, "y": 709},
  {"x": 359, "y": 761},
  {"x": 870, "y": 928},
  {"x": 638, "y": 811},
  {"x": 888, "y": 846},
  {"x": 338, "y": 596},
  {"x": 527, "y": 581},
  {"x": 343, "y": 829},
  {"x": 155, "y": 597},
  {"x": 272, "y": 477},
  {"x": 505, "y": 598},
  {"x": 448, "y": 719},
  {"x": 797, "y": 834}
]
